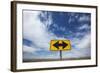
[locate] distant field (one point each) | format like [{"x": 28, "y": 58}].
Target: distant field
[{"x": 43, "y": 60}]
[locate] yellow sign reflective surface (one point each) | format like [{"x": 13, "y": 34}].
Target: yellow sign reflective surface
[{"x": 56, "y": 45}]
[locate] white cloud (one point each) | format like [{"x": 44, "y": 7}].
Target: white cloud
[
  {"x": 29, "y": 49},
  {"x": 84, "y": 42},
  {"x": 48, "y": 56},
  {"x": 30, "y": 53},
  {"x": 62, "y": 28},
  {"x": 71, "y": 19},
  {"x": 47, "y": 18},
  {"x": 84, "y": 18},
  {"x": 84, "y": 26},
  {"x": 36, "y": 31},
  {"x": 84, "y": 45},
  {"x": 81, "y": 48}
]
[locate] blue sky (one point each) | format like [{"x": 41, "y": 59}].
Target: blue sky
[{"x": 40, "y": 27}]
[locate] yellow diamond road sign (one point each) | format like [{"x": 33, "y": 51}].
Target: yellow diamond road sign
[{"x": 57, "y": 45}]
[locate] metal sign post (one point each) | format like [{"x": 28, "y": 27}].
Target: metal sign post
[
  {"x": 60, "y": 55},
  {"x": 60, "y": 45}
]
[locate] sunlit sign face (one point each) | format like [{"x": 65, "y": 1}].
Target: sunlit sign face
[{"x": 57, "y": 45}]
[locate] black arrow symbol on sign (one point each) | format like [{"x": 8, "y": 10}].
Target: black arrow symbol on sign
[{"x": 57, "y": 44}]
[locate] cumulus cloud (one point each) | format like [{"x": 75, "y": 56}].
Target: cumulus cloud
[
  {"x": 82, "y": 47},
  {"x": 35, "y": 27},
  {"x": 29, "y": 49},
  {"x": 37, "y": 53},
  {"x": 84, "y": 42},
  {"x": 34, "y": 30}
]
